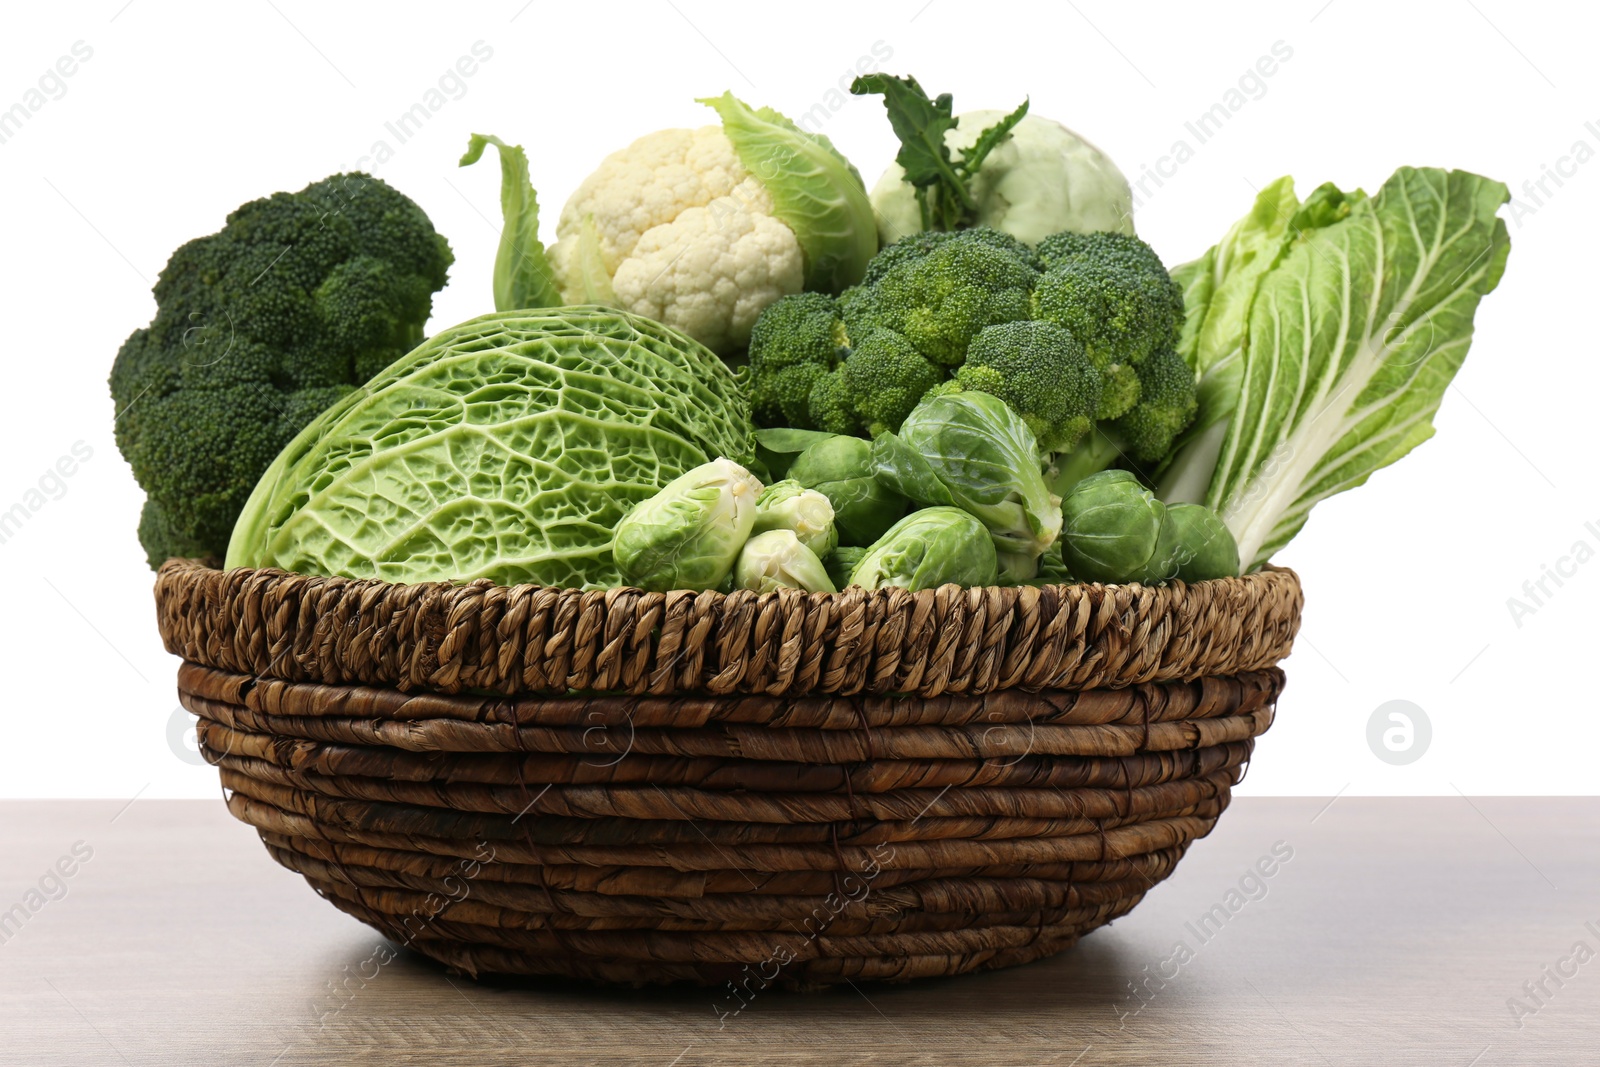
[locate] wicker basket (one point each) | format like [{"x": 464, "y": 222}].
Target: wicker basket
[{"x": 784, "y": 788}]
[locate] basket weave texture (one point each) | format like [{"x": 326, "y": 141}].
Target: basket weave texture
[{"x": 753, "y": 789}]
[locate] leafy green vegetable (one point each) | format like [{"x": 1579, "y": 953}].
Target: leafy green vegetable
[
  {"x": 943, "y": 185},
  {"x": 258, "y": 327},
  {"x": 778, "y": 447},
  {"x": 1218, "y": 288},
  {"x": 972, "y": 451},
  {"x": 1113, "y": 531},
  {"x": 509, "y": 447},
  {"x": 942, "y": 301},
  {"x": 815, "y": 190},
  {"x": 1351, "y": 339},
  {"x": 1204, "y": 547},
  {"x": 523, "y": 277},
  {"x": 1042, "y": 372},
  {"x": 776, "y": 559},
  {"x": 927, "y": 549},
  {"x": 840, "y": 468},
  {"x": 690, "y": 533},
  {"x": 841, "y": 561}
]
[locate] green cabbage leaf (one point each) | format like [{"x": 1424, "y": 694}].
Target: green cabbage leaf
[
  {"x": 1350, "y": 340},
  {"x": 509, "y": 447}
]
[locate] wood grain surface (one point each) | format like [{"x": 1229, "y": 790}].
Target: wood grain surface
[{"x": 1384, "y": 931}]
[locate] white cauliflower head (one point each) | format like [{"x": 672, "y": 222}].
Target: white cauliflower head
[
  {"x": 697, "y": 229},
  {"x": 685, "y": 235}
]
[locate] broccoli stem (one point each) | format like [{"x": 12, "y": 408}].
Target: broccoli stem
[{"x": 1095, "y": 453}]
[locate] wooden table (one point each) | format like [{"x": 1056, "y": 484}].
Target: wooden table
[{"x": 1395, "y": 932}]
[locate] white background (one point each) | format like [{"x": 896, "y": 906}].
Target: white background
[{"x": 185, "y": 111}]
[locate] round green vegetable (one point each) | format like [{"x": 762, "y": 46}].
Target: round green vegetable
[
  {"x": 259, "y": 327},
  {"x": 841, "y": 562},
  {"x": 1041, "y": 179},
  {"x": 509, "y": 448},
  {"x": 778, "y": 560},
  {"x": 927, "y": 549},
  {"x": 840, "y": 468},
  {"x": 1112, "y": 531},
  {"x": 688, "y": 535},
  {"x": 1205, "y": 547},
  {"x": 788, "y": 505},
  {"x": 971, "y": 450}
]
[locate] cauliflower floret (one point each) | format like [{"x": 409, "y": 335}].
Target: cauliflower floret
[
  {"x": 686, "y": 234},
  {"x": 713, "y": 269}
]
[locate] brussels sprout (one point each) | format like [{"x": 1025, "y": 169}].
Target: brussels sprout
[
  {"x": 1205, "y": 547},
  {"x": 840, "y": 468},
  {"x": 972, "y": 451},
  {"x": 1113, "y": 531},
  {"x": 779, "y": 446},
  {"x": 1052, "y": 570},
  {"x": 927, "y": 549},
  {"x": 841, "y": 561},
  {"x": 778, "y": 560},
  {"x": 688, "y": 535},
  {"x": 788, "y": 505}
]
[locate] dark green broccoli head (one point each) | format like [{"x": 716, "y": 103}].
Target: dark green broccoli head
[
  {"x": 1118, "y": 308},
  {"x": 782, "y": 397},
  {"x": 830, "y": 406},
  {"x": 1068, "y": 245},
  {"x": 1112, "y": 291},
  {"x": 258, "y": 327},
  {"x": 918, "y": 245},
  {"x": 857, "y": 310},
  {"x": 796, "y": 340},
  {"x": 1119, "y": 390},
  {"x": 940, "y": 302},
  {"x": 884, "y": 378},
  {"x": 1166, "y": 407},
  {"x": 1042, "y": 372},
  {"x": 798, "y": 328}
]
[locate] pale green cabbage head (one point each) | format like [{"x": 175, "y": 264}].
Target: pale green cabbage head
[
  {"x": 509, "y": 448},
  {"x": 1041, "y": 180}
]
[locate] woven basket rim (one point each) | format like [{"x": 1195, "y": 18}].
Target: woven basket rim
[{"x": 449, "y": 637}]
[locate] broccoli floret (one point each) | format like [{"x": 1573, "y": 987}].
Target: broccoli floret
[
  {"x": 1041, "y": 371},
  {"x": 258, "y": 327},
  {"x": 1166, "y": 407},
  {"x": 795, "y": 341},
  {"x": 1059, "y": 248},
  {"x": 782, "y": 397},
  {"x": 1142, "y": 436},
  {"x": 919, "y": 245},
  {"x": 1005, "y": 242},
  {"x": 830, "y": 406},
  {"x": 857, "y": 310},
  {"x": 940, "y": 302},
  {"x": 798, "y": 328},
  {"x": 905, "y": 250},
  {"x": 1112, "y": 292},
  {"x": 884, "y": 378}
]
